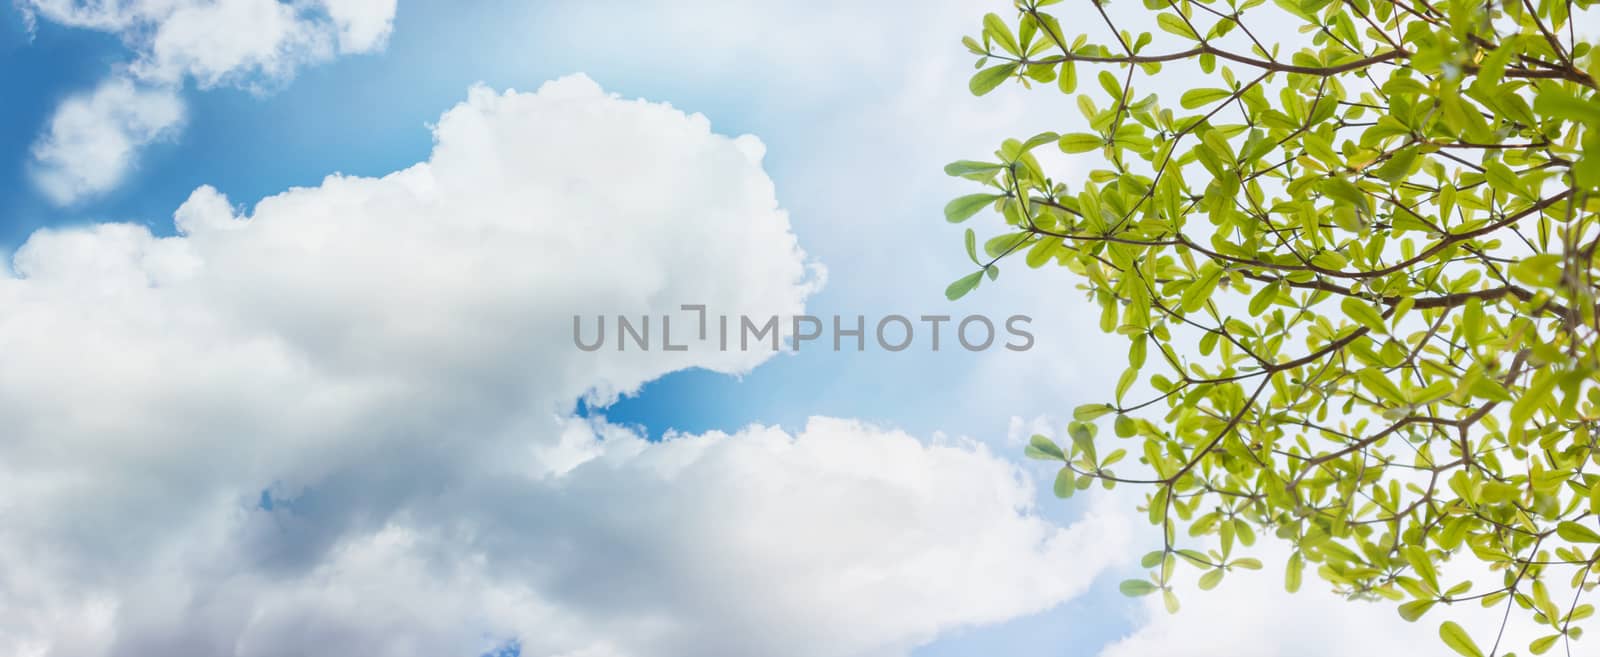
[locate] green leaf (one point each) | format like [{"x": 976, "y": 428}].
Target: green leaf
[
  {"x": 1375, "y": 380},
  {"x": 1413, "y": 610},
  {"x": 1420, "y": 562},
  {"x": 1042, "y": 250},
  {"x": 1082, "y": 439},
  {"x": 996, "y": 28},
  {"x": 1346, "y": 192},
  {"x": 1173, "y": 24},
  {"x": 1088, "y": 412},
  {"x": 1067, "y": 80},
  {"x": 1577, "y": 533},
  {"x": 1081, "y": 142},
  {"x": 1150, "y": 559},
  {"x": 963, "y": 285},
  {"x": 1560, "y": 103},
  {"x": 972, "y": 247},
  {"x": 1116, "y": 454},
  {"x": 1002, "y": 244},
  {"x": 965, "y": 207},
  {"x": 1504, "y": 180},
  {"x": 1319, "y": 148},
  {"x": 1543, "y": 270},
  {"x": 1398, "y": 166},
  {"x": 1065, "y": 483},
  {"x": 1458, "y": 640},
  {"x": 1533, "y": 397},
  {"x": 1293, "y": 572},
  {"x": 1125, "y": 428},
  {"x": 1363, "y": 314},
  {"x": 1210, "y": 580},
  {"x": 1109, "y": 83},
  {"x": 969, "y": 167},
  {"x": 1330, "y": 260},
  {"x": 1195, "y": 98},
  {"x": 1542, "y": 644},
  {"x": 1043, "y": 448},
  {"x": 1137, "y": 587},
  {"x": 1039, "y": 140},
  {"x": 1129, "y": 376},
  {"x": 1195, "y": 295},
  {"x": 987, "y": 79},
  {"x": 1263, "y": 299}
]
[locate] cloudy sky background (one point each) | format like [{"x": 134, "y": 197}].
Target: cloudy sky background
[{"x": 287, "y": 368}]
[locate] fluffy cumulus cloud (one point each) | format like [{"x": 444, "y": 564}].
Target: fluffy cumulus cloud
[
  {"x": 93, "y": 138},
  {"x": 249, "y": 43},
  {"x": 342, "y": 423}
]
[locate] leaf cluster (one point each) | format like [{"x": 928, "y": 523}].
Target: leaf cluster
[{"x": 1356, "y": 274}]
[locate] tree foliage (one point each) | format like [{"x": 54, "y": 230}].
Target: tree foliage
[{"x": 1355, "y": 265}]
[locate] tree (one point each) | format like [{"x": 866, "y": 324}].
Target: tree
[{"x": 1357, "y": 278}]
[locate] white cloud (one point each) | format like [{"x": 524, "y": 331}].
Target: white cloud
[
  {"x": 93, "y": 138},
  {"x": 249, "y": 43},
  {"x": 227, "y": 41},
  {"x": 390, "y": 359},
  {"x": 363, "y": 24},
  {"x": 240, "y": 37}
]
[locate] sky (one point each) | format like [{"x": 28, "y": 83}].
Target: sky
[{"x": 287, "y": 364}]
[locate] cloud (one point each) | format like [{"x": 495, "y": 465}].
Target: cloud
[
  {"x": 93, "y": 138},
  {"x": 343, "y": 423},
  {"x": 363, "y": 24},
  {"x": 248, "y": 43},
  {"x": 226, "y": 41}
]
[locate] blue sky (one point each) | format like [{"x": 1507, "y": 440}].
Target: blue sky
[{"x": 858, "y": 108}]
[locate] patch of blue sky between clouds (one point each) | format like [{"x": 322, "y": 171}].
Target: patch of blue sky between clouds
[{"x": 511, "y": 648}]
